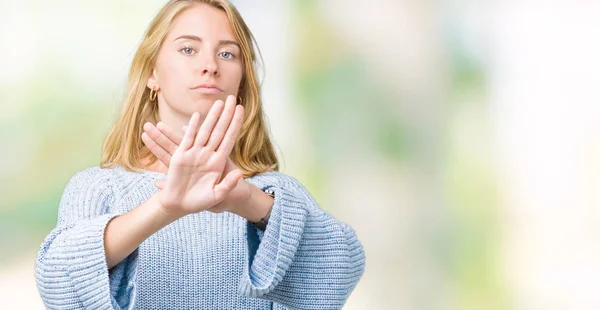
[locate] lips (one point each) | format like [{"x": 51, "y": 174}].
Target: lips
[{"x": 207, "y": 87}]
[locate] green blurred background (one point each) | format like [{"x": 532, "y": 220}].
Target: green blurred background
[{"x": 459, "y": 138}]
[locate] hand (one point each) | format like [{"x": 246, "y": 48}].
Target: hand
[
  {"x": 162, "y": 141},
  {"x": 195, "y": 179}
]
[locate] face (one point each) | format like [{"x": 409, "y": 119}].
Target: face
[{"x": 198, "y": 63}]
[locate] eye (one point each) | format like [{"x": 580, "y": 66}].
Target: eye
[
  {"x": 226, "y": 55},
  {"x": 187, "y": 50}
]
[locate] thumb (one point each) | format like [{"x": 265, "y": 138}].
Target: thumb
[
  {"x": 228, "y": 183},
  {"x": 161, "y": 184}
]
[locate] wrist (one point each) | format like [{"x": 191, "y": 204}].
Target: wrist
[
  {"x": 167, "y": 213},
  {"x": 257, "y": 207}
]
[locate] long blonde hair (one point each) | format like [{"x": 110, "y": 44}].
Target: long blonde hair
[{"x": 253, "y": 151}]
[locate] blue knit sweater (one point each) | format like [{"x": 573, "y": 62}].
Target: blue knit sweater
[{"x": 305, "y": 259}]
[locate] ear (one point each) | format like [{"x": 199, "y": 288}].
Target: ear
[{"x": 152, "y": 80}]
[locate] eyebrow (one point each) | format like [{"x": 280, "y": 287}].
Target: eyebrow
[{"x": 197, "y": 38}]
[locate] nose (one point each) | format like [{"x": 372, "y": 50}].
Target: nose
[{"x": 210, "y": 66}]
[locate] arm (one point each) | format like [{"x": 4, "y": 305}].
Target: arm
[
  {"x": 73, "y": 261},
  {"x": 306, "y": 258},
  {"x": 126, "y": 232},
  {"x": 87, "y": 242},
  {"x": 71, "y": 270}
]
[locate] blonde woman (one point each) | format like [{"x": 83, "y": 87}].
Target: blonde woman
[{"x": 134, "y": 232}]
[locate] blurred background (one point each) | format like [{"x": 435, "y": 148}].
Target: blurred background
[{"x": 459, "y": 138}]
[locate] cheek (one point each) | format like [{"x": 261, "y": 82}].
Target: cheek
[
  {"x": 234, "y": 77},
  {"x": 173, "y": 76}
]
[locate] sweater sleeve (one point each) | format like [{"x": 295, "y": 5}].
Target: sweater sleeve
[
  {"x": 71, "y": 270},
  {"x": 306, "y": 258}
]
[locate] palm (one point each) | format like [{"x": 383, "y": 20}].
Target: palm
[
  {"x": 193, "y": 179},
  {"x": 163, "y": 142},
  {"x": 196, "y": 180}
]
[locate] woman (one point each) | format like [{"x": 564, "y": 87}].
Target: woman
[{"x": 123, "y": 243}]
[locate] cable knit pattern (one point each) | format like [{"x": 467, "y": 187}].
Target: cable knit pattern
[{"x": 304, "y": 260}]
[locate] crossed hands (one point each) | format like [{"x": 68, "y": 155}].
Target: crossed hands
[{"x": 201, "y": 175}]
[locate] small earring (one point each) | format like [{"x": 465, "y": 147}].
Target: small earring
[
  {"x": 239, "y": 100},
  {"x": 153, "y": 94}
]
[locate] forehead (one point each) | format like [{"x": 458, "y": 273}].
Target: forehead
[{"x": 202, "y": 20}]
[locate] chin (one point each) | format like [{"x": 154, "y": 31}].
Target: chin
[
  {"x": 205, "y": 101},
  {"x": 201, "y": 106}
]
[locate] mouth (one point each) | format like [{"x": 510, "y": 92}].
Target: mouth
[{"x": 207, "y": 89}]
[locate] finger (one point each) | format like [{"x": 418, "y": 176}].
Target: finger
[
  {"x": 190, "y": 134},
  {"x": 156, "y": 149},
  {"x": 169, "y": 133},
  {"x": 157, "y": 133},
  {"x": 160, "y": 184},
  {"x": 216, "y": 136},
  {"x": 209, "y": 123},
  {"x": 228, "y": 183},
  {"x": 184, "y": 128},
  {"x": 232, "y": 132}
]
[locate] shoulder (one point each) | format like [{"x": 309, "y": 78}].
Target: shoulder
[
  {"x": 91, "y": 182},
  {"x": 87, "y": 194},
  {"x": 90, "y": 176},
  {"x": 88, "y": 173}
]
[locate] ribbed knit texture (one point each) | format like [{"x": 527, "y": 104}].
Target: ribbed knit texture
[{"x": 305, "y": 259}]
